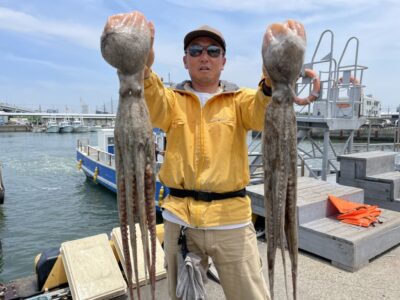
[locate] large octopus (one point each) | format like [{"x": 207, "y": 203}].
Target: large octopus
[
  {"x": 283, "y": 54},
  {"x": 125, "y": 44}
]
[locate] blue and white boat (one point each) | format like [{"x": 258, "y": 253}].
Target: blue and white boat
[
  {"x": 79, "y": 126},
  {"x": 98, "y": 162}
]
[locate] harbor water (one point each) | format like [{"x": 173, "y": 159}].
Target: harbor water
[{"x": 48, "y": 200}]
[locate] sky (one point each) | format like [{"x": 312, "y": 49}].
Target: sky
[{"x": 50, "y": 49}]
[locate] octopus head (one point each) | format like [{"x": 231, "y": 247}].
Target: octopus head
[
  {"x": 283, "y": 51},
  {"x": 125, "y": 42}
]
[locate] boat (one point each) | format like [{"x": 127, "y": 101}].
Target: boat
[
  {"x": 66, "y": 126},
  {"x": 38, "y": 129},
  {"x": 98, "y": 162},
  {"x": 79, "y": 126},
  {"x": 52, "y": 126},
  {"x": 95, "y": 128}
]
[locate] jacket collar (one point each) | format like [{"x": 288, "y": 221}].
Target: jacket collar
[{"x": 226, "y": 86}]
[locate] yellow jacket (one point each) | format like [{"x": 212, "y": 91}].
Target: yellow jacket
[{"x": 206, "y": 148}]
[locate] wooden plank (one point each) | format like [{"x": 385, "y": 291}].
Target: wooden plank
[
  {"x": 368, "y": 163},
  {"x": 392, "y": 178},
  {"x": 377, "y": 189},
  {"x": 394, "y": 175},
  {"x": 312, "y": 202},
  {"x": 348, "y": 168},
  {"x": 326, "y": 247},
  {"x": 391, "y": 205},
  {"x": 160, "y": 269},
  {"x": 347, "y": 246}
]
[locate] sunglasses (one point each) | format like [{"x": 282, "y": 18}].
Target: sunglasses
[{"x": 197, "y": 50}]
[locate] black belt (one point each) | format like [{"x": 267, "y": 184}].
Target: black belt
[{"x": 206, "y": 196}]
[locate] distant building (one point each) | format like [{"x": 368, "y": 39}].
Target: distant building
[
  {"x": 85, "y": 108},
  {"x": 371, "y": 107},
  {"x": 52, "y": 111},
  {"x": 101, "y": 112}
]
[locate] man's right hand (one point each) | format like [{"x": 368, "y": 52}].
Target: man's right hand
[{"x": 123, "y": 22}]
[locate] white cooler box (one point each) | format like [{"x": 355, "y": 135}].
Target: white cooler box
[{"x": 92, "y": 269}]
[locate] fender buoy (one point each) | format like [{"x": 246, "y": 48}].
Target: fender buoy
[
  {"x": 352, "y": 80},
  {"x": 95, "y": 174},
  {"x": 161, "y": 196},
  {"x": 315, "y": 90},
  {"x": 79, "y": 166}
]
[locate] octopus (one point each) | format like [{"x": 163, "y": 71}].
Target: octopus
[
  {"x": 125, "y": 45},
  {"x": 283, "y": 55}
]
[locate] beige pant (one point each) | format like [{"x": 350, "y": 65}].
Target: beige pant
[{"x": 234, "y": 253}]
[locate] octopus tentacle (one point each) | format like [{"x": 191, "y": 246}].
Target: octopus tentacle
[
  {"x": 283, "y": 54},
  {"x": 123, "y": 216},
  {"x": 150, "y": 207},
  {"x": 140, "y": 201},
  {"x": 132, "y": 231},
  {"x": 291, "y": 229}
]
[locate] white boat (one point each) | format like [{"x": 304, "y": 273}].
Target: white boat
[
  {"x": 38, "y": 129},
  {"x": 79, "y": 126},
  {"x": 52, "y": 126},
  {"x": 66, "y": 127},
  {"x": 95, "y": 128}
]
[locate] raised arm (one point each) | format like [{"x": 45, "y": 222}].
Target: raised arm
[{"x": 160, "y": 100}]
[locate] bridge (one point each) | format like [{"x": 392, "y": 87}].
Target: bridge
[
  {"x": 11, "y": 111},
  {"x": 45, "y": 115},
  {"x": 12, "y": 108}
]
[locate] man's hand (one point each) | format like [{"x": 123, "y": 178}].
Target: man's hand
[
  {"x": 274, "y": 38},
  {"x": 150, "y": 59},
  {"x": 266, "y": 77},
  {"x": 133, "y": 21},
  {"x": 290, "y": 27}
]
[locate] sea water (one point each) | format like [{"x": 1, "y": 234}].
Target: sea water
[{"x": 48, "y": 200}]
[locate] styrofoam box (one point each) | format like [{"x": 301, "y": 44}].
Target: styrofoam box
[
  {"x": 92, "y": 269},
  {"x": 160, "y": 270}
]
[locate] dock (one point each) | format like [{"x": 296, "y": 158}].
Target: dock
[
  {"x": 345, "y": 246},
  {"x": 336, "y": 260},
  {"x": 375, "y": 173},
  {"x": 317, "y": 279},
  {"x": 15, "y": 128}
]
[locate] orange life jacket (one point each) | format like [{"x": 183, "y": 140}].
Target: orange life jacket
[{"x": 356, "y": 213}]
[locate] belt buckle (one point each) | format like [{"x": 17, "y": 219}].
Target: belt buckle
[{"x": 205, "y": 196}]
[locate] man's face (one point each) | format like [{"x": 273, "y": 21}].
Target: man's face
[{"x": 204, "y": 69}]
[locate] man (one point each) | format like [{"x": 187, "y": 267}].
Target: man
[{"x": 206, "y": 165}]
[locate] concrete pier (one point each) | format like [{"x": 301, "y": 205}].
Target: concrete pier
[{"x": 15, "y": 128}]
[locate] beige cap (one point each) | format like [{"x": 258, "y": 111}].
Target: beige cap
[{"x": 204, "y": 31}]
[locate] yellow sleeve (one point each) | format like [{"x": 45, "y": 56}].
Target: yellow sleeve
[
  {"x": 160, "y": 101},
  {"x": 252, "y": 108}
]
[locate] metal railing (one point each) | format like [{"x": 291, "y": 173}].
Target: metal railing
[{"x": 101, "y": 156}]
